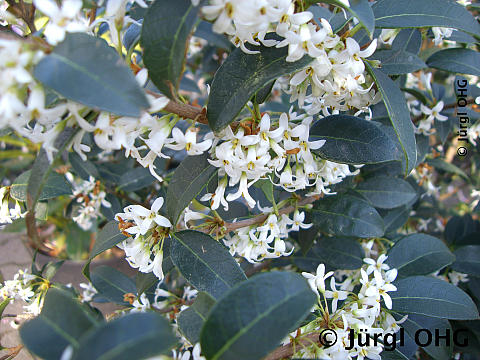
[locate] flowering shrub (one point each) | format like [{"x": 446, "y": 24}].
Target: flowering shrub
[{"x": 330, "y": 146}]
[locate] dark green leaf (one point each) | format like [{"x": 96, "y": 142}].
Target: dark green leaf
[
  {"x": 112, "y": 284},
  {"x": 468, "y": 260},
  {"x": 458, "y": 61},
  {"x": 190, "y": 177},
  {"x": 190, "y": 321},
  {"x": 419, "y": 254},
  {"x": 144, "y": 281},
  {"x": 165, "y": 34},
  {"x": 408, "y": 40},
  {"x": 255, "y": 316},
  {"x": 204, "y": 30},
  {"x": 396, "y": 218},
  {"x": 133, "y": 336},
  {"x": 204, "y": 262},
  {"x": 448, "y": 167},
  {"x": 135, "y": 179},
  {"x": 413, "y": 323},
  {"x": 241, "y": 76},
  {"x": 386, "y": 192},
  {"x": 399, "y": 115},
  {"x": 84, "y": 169},
  {"x": 101, "y": 78},
  {"x": 267, "y": 187},
  {"x": 395, "y": 62},
  {"x": 78, "y": 241},
  {"x": 392, "y": 14},
  {"x": 352, "y": 140},
  {"x": 361, "y": 10},
  {"x": 61, "y": 323},
  {"x": 459, "y": 227},
  {"x": 432, "y": 297},
  {"x": 339, "y": 253},
  {"x": 347, "y": 215},
  {"x": 56, "y": 185},
  {"x": 107, "y": 238}
]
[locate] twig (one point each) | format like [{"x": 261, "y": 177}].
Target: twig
[
  {"x": 184, "y": 110},
  {"x": 288, "y": 350},
  {"x": 261, "y": 218}
]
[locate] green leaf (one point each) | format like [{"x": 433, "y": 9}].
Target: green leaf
[
  {"x": 78, "y": 241},
  {"x": 101, "y": 78},
  {"x": 145, "y": 281},
  {"x": 112, "y": 284},
  {"x": 468, "y": 260},
  {"x": 61, "y": 323},
  {"x": 396, "y": 218},
  {"x": 457, "y": 60},
  {"x": 133, "y": 336},
  {"x": 339, "y": 253},
  {"x": 107, "y": 238},
  {"x": 3, "y": 305},
  {"x": 351, "y": 140},
  {"x": 399, "y": 115},
  {"x": 190, "y": 321},
  {"x": 347, "y": 215},
  {"x": 84, "y": 169},
  {"x": 135, "y": 179},
  {"x": 361, "y": 10},
  {"x": 419, "y": 254},
  {"x": 391, "y": 14},
  {"x": 165, "y": 35},
  {"x": 432, "y": 297},
  {"x": 55, "y": 186},
  {"x": 267, "y": 188},
  {"x": 413, "y": 323},
  {"x": 241, "y": 76},
  {"x": 408, "y": 40},
  {"x": 204, "y": 262},
  {"x": 395, "y": 62},
  {"x": 188, "y": 180},
  {"x": 458, "y": 227},
  {"x": 448, "y": 167},
  {"x": 386, "y": 192},
  {"x": 255, "y": 316}
]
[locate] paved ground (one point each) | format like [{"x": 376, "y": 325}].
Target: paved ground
[{"x": 15, "y": 255}]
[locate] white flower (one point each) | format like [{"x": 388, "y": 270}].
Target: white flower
[
  {"x": 317, "y": 281},
  {"x": 376, "y": 265},
  {"x": 335, "y": 294},
  {"x": 298, "y": 218},
  {"x": 188, "y": 141},
  {"x": 434, "y": 113}
]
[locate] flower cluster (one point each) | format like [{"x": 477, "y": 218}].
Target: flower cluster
[
  {"x": 27, "y": 287},
  {"x": 89, "y": 198},
  {"x": 147, "y": 230},
  {"x": 343, "y": 308},
  {"x": 7, "y": 213}
]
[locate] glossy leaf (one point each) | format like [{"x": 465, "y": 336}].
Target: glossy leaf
[
  {"x": 56, "y": 185},
  {"x": 82, "y": 168},
  {"x": 241, "y": 76},
  {"x": 52, "y": 331},
  {"x": 408, "y": 40},
  {"x": 107, "y": 238},
  {"x": 204, "y": 262},
  {"x": 394, "y": 62},
  {"x": 391, "y": 14},
  {"x": 347, "y": 215},
  {"x": 112, "y": 284},
  {"x": 468, "y": 260},
  {"x": 135, "y": 179},
  {"x": 359, "y": 9},
  {"x": 132, "y": 336},
  {"x": 190, "y": 321},
  {"x": 432, "y": 297},
  {"x": 399, "y": 115},
  {"x": 101, "y": 78},
  {"x": 189, "y": 179},
  {"x": 351, "y": 140},
  {"x": 386, "y": 192},
  {"x": 456, "y": 60},
  {"x": 395, "y": 218},
  {"x": 255, "y": 316},
  {"x": 144, "y": 281},
  {"x": 419, "y": 254},
  {"x": 165, "y": 34},
  {"x": 339, "y": 253}
]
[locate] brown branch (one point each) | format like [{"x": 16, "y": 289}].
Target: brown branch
[
  {"x": 24, "y": 11},
  {"x": 261, "y": 218},
  {"x": 288, "y": 350},
  {"x": 184, "y": 110}
]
